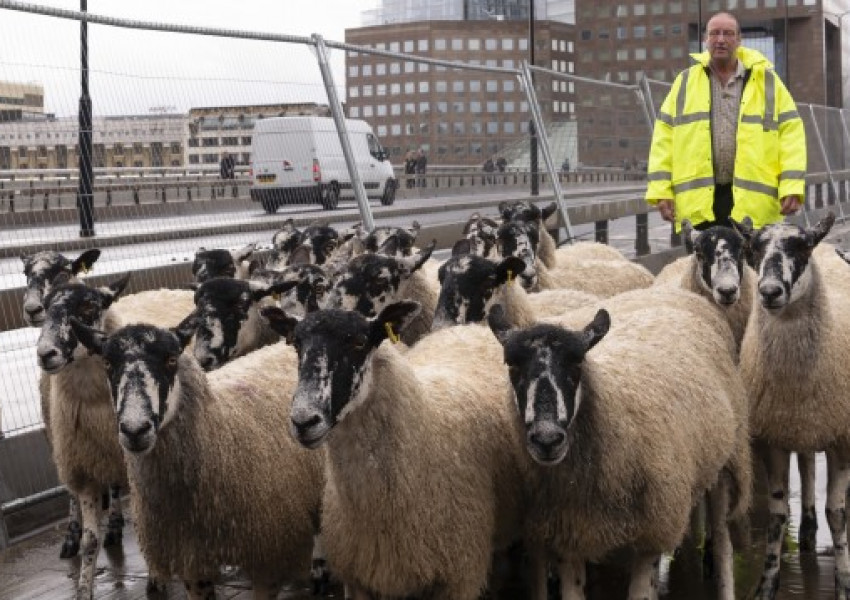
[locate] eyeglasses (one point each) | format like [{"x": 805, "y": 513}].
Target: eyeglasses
[{"x": 717, "y": 33}]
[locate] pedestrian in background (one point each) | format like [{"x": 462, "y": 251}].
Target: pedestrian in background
[
  {"x": 489, "y": 168},
  {"x": 227, "y": 168},
  {"x": 728, "y": 140},
  {"x": 421, "y": 168},
  {"x": 410, "y": 168}
]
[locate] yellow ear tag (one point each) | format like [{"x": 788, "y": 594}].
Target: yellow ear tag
[
  {"x": 390, "y": 333},
  {"x": 276, "y": 296},
  {"x": 510, "y": 276}
]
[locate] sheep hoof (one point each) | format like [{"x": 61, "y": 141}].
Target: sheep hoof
[
  {"x": 113, "y": 537},
  {"x": 808, "y": 534},
  {"x": 154, "y": 587},
  {"x": 71, "y": 545},
  {"x": 319, "y": 577},
  {"x": 842, "y": 585}
]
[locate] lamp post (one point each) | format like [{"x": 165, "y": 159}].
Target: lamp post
[
  {"x": 532, "y": 132},
  {"x": 85, "y": 199}
]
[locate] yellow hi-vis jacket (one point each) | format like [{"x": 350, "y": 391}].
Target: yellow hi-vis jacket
[{"x": 770, "y": 155}]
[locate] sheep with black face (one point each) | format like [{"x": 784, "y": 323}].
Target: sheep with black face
[
  {"x": 624, "y": 454},
  {"x": 425, "y": 463},
  {"x": 213, "y": 479}
]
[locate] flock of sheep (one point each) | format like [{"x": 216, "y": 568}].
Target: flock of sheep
[{"x": 348, "y": 405}]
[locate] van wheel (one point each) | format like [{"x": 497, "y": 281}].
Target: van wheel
[
  {"x": 389, "y": 192},
  {"x": 329, "y": 196},
  {"x": 269, "y": 205}
]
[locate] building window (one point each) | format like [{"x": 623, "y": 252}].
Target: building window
[
  {"x": 508, "y": 85},
  {"x": 475, "y": 107},
  {"x": 395, "y": 129},
  {"x": 658, "y": 31},
  {"x": 422, "y": 46},
  {"x": 424, "y": 108},
  {"x": 656, "y": 8},
  {"x": 657, "y": 52},
  {"x": 423, "y": 67},
  {"x": 409, "y": 67},
  {"x": 439, "y": 44},
  {"x": 395, "y": 68},
  {"x": 381, "y": 130},
  {"x": 507, "y": 43},
  {"x": 395, "y": 109},
  {"x": 457, "y": 44},
  {"x": 230, "y": 141},
  {"x": 381, "y": 69},
  {"x": 394, "y": 47},
  {"x": 395, "y": 89},
  {"x": 509, "y": 127},
  {"x": 603, "y": 34},
  {"x": 639, "y": 32},
  {"x": 622, "y": 10},
  {"x": 381, "y": 110},
  {"x": 353, "y": 91},
  {"x": 523, "y": 44},
  {"x": 194, "y": 159},
  {"x": 441, "y": 87},
  {"x": 640, "y": 53},
  {"x": 423, "y": 87},
  {"x": 677, "y": 52},
  {"x": 508, "y": 107},
  {"x": 492, "y": 85},
  {"x": 367, "y": 91},
  {"x": 458, "y": 128},
  {"x": 490, "y": 44},
  {"x": 639, "y": 10},
  {"x": 410, "y": 108},
  {"x": 408, "y": 46},
  {"x": 354, "y": 112},
  {"x": 442, "y": 108},
  {"x": 353, "y": 70},
  {"x": 381, "y": 89},
  {"x": 474, "y": 85},
  {"x": 368, "y": 111},
  {"x": 676, "y": 7},
  {"x": 586, "y": 34},
  {"x": 492, "y": 107},
  {"x": 492, "y": 127},
  {"x": 409, "y": 87},
  {"x": 458, "y": 87},
  {"x": 458, "y": 108},
  {"x": 246, "y": 140},
  {"x": 676, "y": 29},
  {"x": 474, "y": 44}
]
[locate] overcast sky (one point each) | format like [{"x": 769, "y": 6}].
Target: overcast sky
[{"x": 133, "y": 71}]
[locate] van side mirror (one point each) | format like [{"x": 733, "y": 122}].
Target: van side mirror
[{"x": 381, "y": 155}]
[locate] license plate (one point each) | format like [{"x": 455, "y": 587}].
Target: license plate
[{"x": 266, "y": 178}]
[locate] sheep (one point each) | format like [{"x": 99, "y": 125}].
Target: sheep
[
  {"x": 215, "y": 480},
  {"x": 471, "y": 285},
  {"x": 624, "y": 454},
  {"x": 43, "y": 271},
  {"x": 222, "y": 263},
  {"x": 844, "y": 254},
  {"x": 372, "y": 281},
  {"x": 799, "y": 396},
  {"x": 81, "y": 422},
  {"x": 228, "y": 322},
  {"x": 46, "y": 269},
  {"x": 319, "y": 239},
  {"x": 525, "y": 211},
  {"x": 604, "y": 278},
  {"x": 425, "y": 467}
]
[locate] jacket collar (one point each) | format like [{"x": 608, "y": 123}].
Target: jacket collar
[{"x": 747, "y": 56}]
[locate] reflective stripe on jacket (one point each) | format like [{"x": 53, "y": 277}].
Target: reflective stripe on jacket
[{"x": 770, "y": 157}]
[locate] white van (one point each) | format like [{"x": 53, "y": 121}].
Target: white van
[{"x": 299, "y": 160}]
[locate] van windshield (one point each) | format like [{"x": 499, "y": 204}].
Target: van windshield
[{"x": 375, "y": 148}]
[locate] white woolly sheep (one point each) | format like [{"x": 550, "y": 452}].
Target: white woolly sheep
[
  {"x": 624, "y": 453},
  {"x": 45, "y": 270},
  {"x": 604, "y": 278},
  {"x": 790, "y": 355},
  {"x": 82, "y": 419},
  {"x": 372, "y": 281},
  {"x": 215, "y": 480},
  {"x": 470, "y": 285},
  {"x": 425, "y": 463},
  {"x": 220, "y": 262}
]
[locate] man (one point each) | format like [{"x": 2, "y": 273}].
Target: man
[
  {"x": 421, "y": 168},
  {"x": 728, "y": 140},
  {"x": 227, "y": 167}
]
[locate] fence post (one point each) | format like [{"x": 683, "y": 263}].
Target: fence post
[
  {"x": 642, "y": 234},
  {"x": 601, "y": 231}
]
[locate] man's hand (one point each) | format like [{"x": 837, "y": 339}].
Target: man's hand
[
  {"x": 668, "y": 213},
  {"x": 790, "y": 204}
]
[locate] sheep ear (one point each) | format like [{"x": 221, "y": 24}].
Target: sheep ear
[
  {"x": 548, "y": 211},
  {"x": 509, "y": 269},
  {"x": 744, "y": 228},
  {"x": 498, "y": 322},
  {"x": 689, "y": 236},
  {"x": 114, "y": 289},
  {"x": 280, "y": 287},
  {"x": 844, "y": 254},
  {"x": 414, "y": 228},
  {"x": 818, "y": 232},
  {"x": 85, "y": 261},
  {"x": 393, "y": 319},
  {"x": 186, "y": 328},
  {"x": 244, "y": 253},
  {"x": 390, "y": 247},
  {"x": 89, "y": 337},
  {"x": 462, "y": 247},
  {"x": 473, "y": 220},
  {"x": 299, "y": 256},
  {"x": 423, "y": 255},
  {"x": 280, "y": 322},
  {"x": 596, "y": 330}
]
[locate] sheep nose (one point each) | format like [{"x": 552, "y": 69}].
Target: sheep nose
[
  {"x": 770, "y": 293},
  {"x": 548, "y": 440},
  {"x": 207, "y": 362},
  {"x": 727, "y": 293},
  {"x": 34, "y": 310},
  {"x": 302, "y": 426},
  {"x": 135, "y": 432}
]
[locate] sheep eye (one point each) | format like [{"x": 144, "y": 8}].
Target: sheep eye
[
  {"x": 107, "y": 365},
  {"x": 171, "y": 363}
]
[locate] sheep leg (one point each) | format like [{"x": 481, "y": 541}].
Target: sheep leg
[
  {"x": 777, "y": 462},
  {"x": 808, "y": 517},
  {"x": 644, "y": 582},
  {"x": 319, "y": 568},
  {"x": 538, "y": 573},
  {"x": 573, "y": 578},
  {"x": 90, "y": 543},
  {"x": 838, "y": 473},
  {"x": 200, "y": 589},
  {"x": 718, "y": 512},
  {"x": 71, "y": 544},
  {"x": 115, "y": 526}
]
